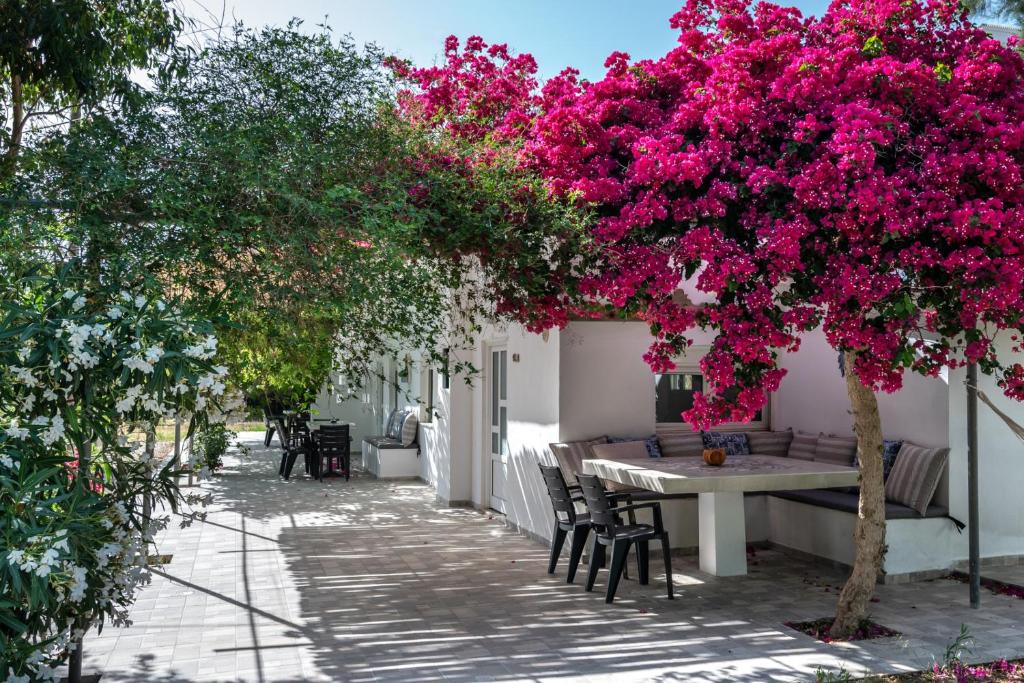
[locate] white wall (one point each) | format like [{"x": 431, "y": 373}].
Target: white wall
[
  {"x": 812, "y": 397},
  {"x": 1000, "y": 462},
  {"x": 533, "y": 419}
]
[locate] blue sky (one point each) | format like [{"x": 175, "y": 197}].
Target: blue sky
[{"x": 558, "y": 33}]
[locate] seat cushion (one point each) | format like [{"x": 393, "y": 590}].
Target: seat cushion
[
  {"x": 803, "y": 446},
  {"x": 770, "y": 443},
  {"x": 570, "y": 456},
  {"x": 381, "y": 441},
  {"x": 734, "y": 443},
  {"x": 396, "y": 445},
  {"x": 915, "y": 476},
  {"x": 836, "y": 450},
  {"x": 847, "y": 502}
]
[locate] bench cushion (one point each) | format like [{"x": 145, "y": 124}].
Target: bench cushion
[
  {"x": 847, "y": 502},
  {"x": 623, "y": 449},
  {"x": 679, "y": 443},
  {"x": 770, "y": 443},
  {"x": 570, "y": 456},
  {"x": 379, "y": 441},
  {"x": 395, "y": 445},
  {"x": 836, "y": 450},
  {"x": 915, "y": 476},
  {"x": 803, "y": 446}
]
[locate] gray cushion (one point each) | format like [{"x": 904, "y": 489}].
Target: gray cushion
[
  {"x": 837, "y": 450},
  {"x": 770, "y": 443},
  {"x": 570, "y": 456},
  {"x": 394, "y": 430},
  {"x": 393, "y": 445},
  {"x": 915, "y": 476},
  {"x": 681, "y": 443},
  {"x": 379, "y": 441},
  {"x": 803, "y": 446},
  {"x": 847, "y": 502}
]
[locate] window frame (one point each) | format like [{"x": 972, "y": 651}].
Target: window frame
[{"x": 691, "y": 366}]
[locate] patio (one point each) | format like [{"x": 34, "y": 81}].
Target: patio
[{"x": 372, "y": 581}]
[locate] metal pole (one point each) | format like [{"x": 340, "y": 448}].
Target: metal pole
[{"x": 973, "y": 523}]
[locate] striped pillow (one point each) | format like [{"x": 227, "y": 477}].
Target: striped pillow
[
  {"x": 676, "y": 444},
  {"x": 570, "y": 456},
  {"x": 407, "y": 434},
  {"x": 770, "y": 443},
  {"x": 836, "y": 450},
  {"x": 803, "y": 446},
  {"x": 915, "y": 476},
  {"x": 734, "y": 443}
]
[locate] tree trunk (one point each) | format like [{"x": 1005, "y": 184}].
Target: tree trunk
[
  {"x": 17, "y": 122},
  {"x": 869, "y": 535}
]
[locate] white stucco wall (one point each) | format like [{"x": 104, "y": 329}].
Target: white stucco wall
[
  {"x": 352, "y": 410},
  {"x": 1000, "y": 463}
]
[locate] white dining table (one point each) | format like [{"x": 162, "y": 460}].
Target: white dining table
[{"x": 722, "y": 520}]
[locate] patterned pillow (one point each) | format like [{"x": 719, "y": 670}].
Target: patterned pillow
[
  {"x": 890, "y": 449},
  {"x": 770, "y": 443},
  {"x": 389, "y": 429},
  {"x": 803, "y": 446},
  {"x": 734, "y": 443},
  {"x": 836, "y": 450},
  {"x": 681, "y": 444},
  {"x": 915, "y": 476},
  {"x": 651, "y": 442}
]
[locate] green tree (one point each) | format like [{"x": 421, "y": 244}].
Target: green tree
[{"x": 58, "y": 57}]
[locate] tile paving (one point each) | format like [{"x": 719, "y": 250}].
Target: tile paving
[{"x": 372, "y": 581}]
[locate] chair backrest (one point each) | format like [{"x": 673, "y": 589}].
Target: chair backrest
[
  {"x": 558, "y": 491},
  {"x": 602, "y": 513},
  {"x": 334, "y": 439},
  {"x": 282, "y": 431}
]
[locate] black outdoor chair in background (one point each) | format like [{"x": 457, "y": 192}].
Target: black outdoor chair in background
[
  {"x": 294, "y": 443},
  {"x": 610, "y": 532},
  {"x": 334, "y": 443}
]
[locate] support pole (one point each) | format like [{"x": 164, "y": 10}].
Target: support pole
[{"x": 973, "y": 522}]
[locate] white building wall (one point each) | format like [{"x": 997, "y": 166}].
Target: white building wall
[{"x": 1000, "y": 462}]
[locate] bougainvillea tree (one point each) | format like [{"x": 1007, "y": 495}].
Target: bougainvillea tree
[
  {"x": 80, "y": 361},
  {"x": 861, "y": 173}
]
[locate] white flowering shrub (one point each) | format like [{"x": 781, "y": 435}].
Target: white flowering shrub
[{"x": 76, "y": 365}]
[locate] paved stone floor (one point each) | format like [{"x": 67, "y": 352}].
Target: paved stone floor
[{"x": 371, "y": 581}]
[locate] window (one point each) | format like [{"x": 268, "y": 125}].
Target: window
[
  {"x": 674, "y": 394},
  {"x": 428, "y": 396}
]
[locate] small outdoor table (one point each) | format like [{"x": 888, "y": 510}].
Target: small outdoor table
[{"x": 722, "y": 524}]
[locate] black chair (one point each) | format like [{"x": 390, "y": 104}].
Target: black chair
[
  {"x": 333, "y": 443},
  {"x": 294, "y": 443},
  {"x": 567, "y": 519},
  {"x": 609, "y": 532}
]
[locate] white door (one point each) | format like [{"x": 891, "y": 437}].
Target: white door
[{"x": 498, "y": 425}]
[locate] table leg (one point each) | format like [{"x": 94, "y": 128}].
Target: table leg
[{"x": 723, "y": 533}]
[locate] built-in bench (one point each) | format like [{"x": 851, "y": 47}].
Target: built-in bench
[
  {"x": 845, "y": 501},
  {"x": 395, "y": 454}
]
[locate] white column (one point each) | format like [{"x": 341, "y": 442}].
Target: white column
[{"x": 723, "y": 534}]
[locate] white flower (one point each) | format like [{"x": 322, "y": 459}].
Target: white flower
[
  {"x": 160, "y": 305},
  {"x": 55, "y": 432},
  {"x": 28, "y": 403},
  {"x": 11, "y": 678},
  {"x": 140, "y": 301},
  {"x": 140, "y": 364},
  {"x": 15, "y": 557},
  {"x": 154, "y": 353},
  {"x": 43, "y": 570},
  {"x": 115, "y": 313},
  {"x": 25, "y": 376},
  {"x": 49, "y": 395},
  {"x": 78, "y": 574},
  {"x": 15, "y": 431},
  {"x": 7, "y": 461},
  {"x": 70, "y": 294},
  {"x": 78, "y": 304}
]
